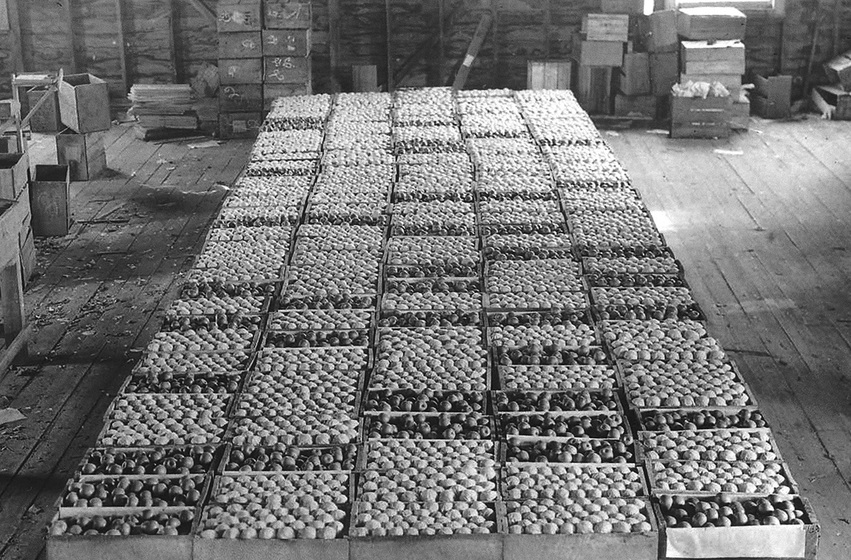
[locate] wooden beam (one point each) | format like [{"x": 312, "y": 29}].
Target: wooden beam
[
  {"x": 4, "y": 16},
  {"x": 441, "y": 38},
  {"x": 334, "y": 41},
  {"x": 548, "y": 19},
  {"x": 15, "y": 30},
  {"x": 495, "y": 35},
  {"x": 172, "y": 47},
  {"x": 391, "y": 66},
  {"x": 122, "y": 44},
  {"x": 473, "y": 51},
  {"x": 204, "y": 10},
  {"x": 72, "y": 41}
]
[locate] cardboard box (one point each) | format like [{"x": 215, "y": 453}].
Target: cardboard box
[
  {"x": 630, "y": 7},
  {"x": 46, "y": 118},
  {"x": 273, "y": 91},
  {"x": 286, "y": 42},
  {"x": 635, "y": 105},
  {"x": 694, "y": 117},
  {"x": 718, "y": 57},
  {"x": 597, "y": 53},
  {"x": 605, "y": 27},
  {"x": 548, "y": 74},
  {"x": 240, "y": 125},
  {"x": 634, "y": 76},
  {"x": 661, "y": 32},
  {"x": 286, "y": 70},
  {"x": 282, "y": 14},
  {"x": 14, "y": 174},
  {"x": 240, "y": 71},
  {"x": 245, "y": 44},
  {"x": 664, "y": 72},
  {"x": 50, "y": 200},
  {"x": 235, "y": 16},
  {"x": 84, "y": 154},
  {"x": 241, "y": 98},
  {"x": 838, "y": 70},
  {"x": 711, "y": 24},
  {"x": 84, "y": 103}
]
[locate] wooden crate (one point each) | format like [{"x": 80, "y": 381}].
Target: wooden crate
[
  {"x": 706, "y": 57},
  {"x": 754, "y": 541},
  {"x": 46, "y": 118},
  {"x": 131, "y": 547},
  {"x": 241, "y": 98},
  {"x": 365, "y": 77},
  {"x": 50, "y": 200},
  {"x": 740, "y": 115},
  {"x": 593, "y": 88},
  {"x": 435, "y": 547},
  {"x": 838, "y": 70},
  {"x": 596, "y": 546},
  {"x": 597, "y": 53},
  {"x": 693, "y": 117},
  {"x": 283, "y": 14},
  {"x": 240, "y": 71},
  {"x": 659, "y": 31},
  {"x": 235, "y": 16},
  {"x": 839, "y": 99},
  {"x": 245, "y": 44},
  {"x": 274, "y": 91},
  {"x": 274, "y": 549},
  {"x": 9, "y": 108},
  {"x": 14, "y": 174},
  {"x": 711, "y": 23},
  {"x": 286, "y": 42},
  {"x": 84, "y": 103},
  {"x": 664, "y": 72},
  {"x": 240, "y": 125},
  {"x": 286, "y": 70},
  {"x": 634, "y": 75},
  {"x": 605, "y": 27},
  {"x": 548, "y": 74},
  {"x": 772, "y": 96},
  {"x": 84, "y": 154}
]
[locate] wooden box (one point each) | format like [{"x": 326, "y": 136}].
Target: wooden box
[
  {"x": 131, "y": 547},
  {"x": 240, "y": 71},
  {"x": 235, "y": 16},
  {"x": 630, "y": 7},
  {"x": 592, "y": 86},
  {"x": 286, "y": 42},
  {"x": 365, "y": 78},
  {"x": 596, "y": 546},
  {"x": 839, "y": 99},
  {"x": 9, "y": 144},
  {"x": 634, "y": 75},
  {"x": 597, "y": 53},
  {"x": 241, "y": 98},
  {"x": 84, "y": 154},
  {"x": 84, "y": 103},
  {"x": 838, "y": 70},
  {"x": 693, "y": 117},
  {"x": 660, "y": 32},
  {"x": 711, "y": 24},
  {"x": 635, "y": 105},
  {"x": 46, "y": 118},
  {"x": 286, "y": 70},
  {"x": 240, "y": 125},
  {"x": 245, "y": 44},
  {"x": 740, "y": 115},
  {"x": 9, "y": 108},
  {"x": 50, "y": 200},
  {"x": 718, "y": 57},
  {"x": 274, "y": 549},
  {"x": 749, "y": 541},
  {"x": 605, "y": 27},
  {"x": 664, "y": 72},
  {"x": 548, "y": 74},
  {"x": 273, "y": 91},
  {"x": 14, "y": 174},
  {"x": 772, "y": 96},
  {"x": 282, "y": 14}
]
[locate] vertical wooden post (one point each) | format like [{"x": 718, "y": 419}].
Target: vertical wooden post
[
  {"x": 15, "y": 30},
  {"x": 334, "y": 41},
  {"x": 495, "y": 35},
  {"x": 390, "y": 62},
  {"x": 441, "y": 73},
  {"x": 72, "y": 41},
  {"x": 122, "y": 45},
  {"x": 172, "y": 47},
  {"x": 12, "y": 290},
  {"x": 548, "y": 19}
]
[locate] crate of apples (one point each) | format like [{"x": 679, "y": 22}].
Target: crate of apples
[{"x": 556, "y": 378}]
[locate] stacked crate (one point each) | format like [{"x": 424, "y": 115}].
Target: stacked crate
[
  {"x": 84, "y": 110},
  {"x": 286, "y": 50},
  {"x": 240, "y": 68},
  {"x": 597, "y": 50}
]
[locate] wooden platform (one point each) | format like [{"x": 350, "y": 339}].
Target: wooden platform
[
  {"x": 96, "y": 304},
  {"x": 765, "y": 238}
]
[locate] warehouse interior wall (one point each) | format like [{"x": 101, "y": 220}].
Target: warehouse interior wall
[{"x": 166, "y": 41}]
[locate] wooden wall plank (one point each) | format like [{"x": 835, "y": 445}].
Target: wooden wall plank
[
  {"x": 4, "y": 16},
  {"x": 72, "y": 43}
]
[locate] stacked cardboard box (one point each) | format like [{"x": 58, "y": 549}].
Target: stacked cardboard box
[{"x": 597, "y": 51}]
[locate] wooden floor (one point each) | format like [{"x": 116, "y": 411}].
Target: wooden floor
[
  {"x": 765, "y": 236},
  {"x": 764, "y": 233},
  {"x": 96, "y": 303}
]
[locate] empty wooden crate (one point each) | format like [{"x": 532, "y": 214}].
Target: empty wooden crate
[
  {"x": 84, "y": 154},
  {"x": 548, "y": 74},
  {"x": 84, "y": 103},
  {"x": 50, "y": 200}
]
